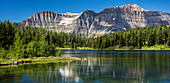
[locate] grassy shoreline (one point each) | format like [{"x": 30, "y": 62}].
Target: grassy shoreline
[
  {"x": 155, "y": 47},
  {"x": 8, "y": 62}
]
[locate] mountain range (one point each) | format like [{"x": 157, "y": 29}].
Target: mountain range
[{"x": 89, "y": 23}]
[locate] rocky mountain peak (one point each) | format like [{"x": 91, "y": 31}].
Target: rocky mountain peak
[
  {"x": 108, "y": 21},
  {"x": 133, "y": 7},
  {"x": 89, "y": 12}
]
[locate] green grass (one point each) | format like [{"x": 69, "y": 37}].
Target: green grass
[
  {"x": 85, "y": 48},
  {"x": 78, "y": 48},
  {"x": 2, "y": 60},
  {"x": 38, "y": 59},
  {"x": 155, "y": 47},
  {"x": 65, "y": 48}
]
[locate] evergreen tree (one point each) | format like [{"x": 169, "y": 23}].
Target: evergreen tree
[
  {"x": 19, "y": 47},
  {"x": 168, "y": 42}
]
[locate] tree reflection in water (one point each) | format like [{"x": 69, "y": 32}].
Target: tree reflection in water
[{"x": 118, "y": 67}]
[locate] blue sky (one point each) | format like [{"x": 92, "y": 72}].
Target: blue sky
[{"x": 18, "y": 10}]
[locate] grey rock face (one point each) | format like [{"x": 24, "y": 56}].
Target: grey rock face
[{"x": 90, "y": 23}]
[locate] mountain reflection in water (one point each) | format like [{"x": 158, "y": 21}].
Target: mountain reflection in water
[{"x": 117, "y": 68}]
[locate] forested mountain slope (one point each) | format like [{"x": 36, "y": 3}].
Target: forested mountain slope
[{"x": 18, "y": 41}]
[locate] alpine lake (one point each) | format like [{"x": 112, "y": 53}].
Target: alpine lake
[{"x": 96, "y": 66}]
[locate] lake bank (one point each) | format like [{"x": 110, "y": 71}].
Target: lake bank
[
  {"x": 8, "y": 62},
  {"x": 155, "y": 47}
]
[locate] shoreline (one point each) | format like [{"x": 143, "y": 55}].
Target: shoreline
[
  {"x": 119, "y": 49},
  {"x": 15, "y": 62},
  {"x": 155, "y": 47},
  {"x": 8, "y": 62}
]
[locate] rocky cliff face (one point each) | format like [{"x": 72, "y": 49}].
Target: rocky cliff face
[{"x": 90, "y": 23}]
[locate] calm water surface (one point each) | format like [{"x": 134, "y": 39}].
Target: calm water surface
[{"x": 100, "y": 67}]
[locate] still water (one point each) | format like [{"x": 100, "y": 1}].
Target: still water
[{"x": 99, "y": 67}]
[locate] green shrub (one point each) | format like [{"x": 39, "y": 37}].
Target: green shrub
[
  {"x": 58, "y": 53},
  {"x": 110, "y": 48},
  {"x": 131, "y": 48}
]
